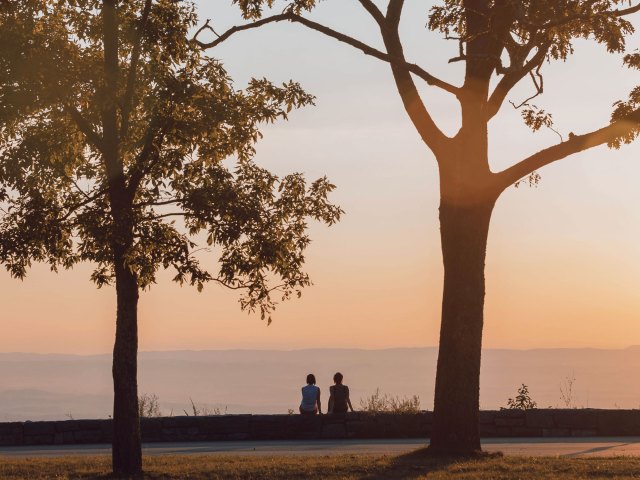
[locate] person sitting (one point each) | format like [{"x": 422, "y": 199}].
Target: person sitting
[
  {"x": 310, "y": 404},
  {"x": 339, "y": 396}
]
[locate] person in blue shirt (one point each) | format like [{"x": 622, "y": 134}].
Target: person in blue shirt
[{"x": 310, "y": 404}]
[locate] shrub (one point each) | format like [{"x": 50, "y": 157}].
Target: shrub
[
  {"x": 523, "y": 400},
  {"x": 148, "y": 406},
  {"x": 203, "y": 410},
  {"x": 378, "y": 403}
]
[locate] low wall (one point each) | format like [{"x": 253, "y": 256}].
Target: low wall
[{"x": 504, "y": 423}]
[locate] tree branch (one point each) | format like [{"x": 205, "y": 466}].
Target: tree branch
[
  {"x": 627, "y": 11},
  {"x": 394, "y": 11},
  {"x": 85, "y": 127},
  {"x": 575, "y": 144},
  {"x": 158, "y": 204},
  {"x": 374, "y": 11},
  {"x": 511, "y": 79},
  {"x": 89, "y": 199},
  {"x": 236, "y": 29},
  {"x": 127, "y": 100},
  {"x": 431, "y": 135},
  {"x": 137, "y": 170},
  {"x": 172, "y": 214},
  {"x": 341, "y": 37}
]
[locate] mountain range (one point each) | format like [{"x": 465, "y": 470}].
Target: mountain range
[{"x": 52, "y": 386}]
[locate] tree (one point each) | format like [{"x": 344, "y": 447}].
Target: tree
[
  {"x": 123, "y": 145},
  {"x": 502, "y": 43}
]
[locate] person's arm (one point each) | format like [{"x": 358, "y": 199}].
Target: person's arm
[
  {"x": 330, "y": 405},
  {"x": 319, "y": 404},
  {"x": 348, "y": 399}
]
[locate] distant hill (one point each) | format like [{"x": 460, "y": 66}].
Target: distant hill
[{"x": 267, "y": 381}]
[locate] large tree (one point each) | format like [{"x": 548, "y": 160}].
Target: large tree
[
  {"x": 123, "y": 145},
  {"x": 501, "y": 43}
]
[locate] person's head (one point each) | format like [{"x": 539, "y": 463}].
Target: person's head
[
  {"x": 337, "y": 378},
  {"x": 311, "y": 379}
]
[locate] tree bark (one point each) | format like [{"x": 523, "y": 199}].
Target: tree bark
[
  {"x": 126, "y": 449},
  {"x": 464, "y": 229}
]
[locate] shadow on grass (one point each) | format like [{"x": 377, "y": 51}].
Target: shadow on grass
[
  {"x": 421, "y": 462},
  {"x": 410, "y": 466}
]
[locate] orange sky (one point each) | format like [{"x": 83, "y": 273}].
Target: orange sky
[{"x": 563, "y": 267}]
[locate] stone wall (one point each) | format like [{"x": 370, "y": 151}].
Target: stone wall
[{"x": 504, "y": 423}]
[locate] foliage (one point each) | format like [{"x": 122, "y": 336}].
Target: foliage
[
  {"x": 384, "y": 403},
  {"x": 522, "y": 401},
  {"x": 624, "y": 108},
  {"x": 186, "y": 137},
  {"x": 253, "y": 9},
  {"x": 148, "y": 406},
  {"x": 547, "y": 28}
]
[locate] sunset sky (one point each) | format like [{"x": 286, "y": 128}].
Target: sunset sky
[{"x": 563, "y": 264}]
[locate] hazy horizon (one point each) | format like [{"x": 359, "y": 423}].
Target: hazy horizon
[{"x": 39, "y": 386}]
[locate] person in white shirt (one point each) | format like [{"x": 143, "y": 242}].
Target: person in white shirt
[{"x": 310, "y": 404}]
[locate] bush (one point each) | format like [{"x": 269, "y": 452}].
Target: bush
[
  {"x": 148, "y": 406},
  {"x": 383, "y": 403},
  {"x": 523, "y": 400}
]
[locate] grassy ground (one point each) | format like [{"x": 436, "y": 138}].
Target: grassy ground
[{"x": 412, "y": 466}]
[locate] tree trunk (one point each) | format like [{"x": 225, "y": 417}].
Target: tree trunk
[
  {"x": 463, "y": 229},
  {"x": 127, "y": 449}
]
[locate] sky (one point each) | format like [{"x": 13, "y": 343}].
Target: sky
[{"x": 563, "y": 261}]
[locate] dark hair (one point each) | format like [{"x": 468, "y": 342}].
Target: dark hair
[
  {"x": 311, "y": 379},
  {"x": 337, "y": 377}
]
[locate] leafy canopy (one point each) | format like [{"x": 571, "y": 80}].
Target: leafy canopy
[
  {"x": 539, "y": 31},
  {"x": 186, "y": 139}
]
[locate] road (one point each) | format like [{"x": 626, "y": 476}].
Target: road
[{"x": 569, "y": 447}]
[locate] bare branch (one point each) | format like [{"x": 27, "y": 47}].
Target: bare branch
[
  {"x": 89, "y": 199},
  {"x": 431, "y": 135},
  {"x": 244, "y": 286},
  {"x": 394, "y": 11},
  {"x": 158, "y": 204},
  {"x": 539, "y": 89},
  {"x": 75, "y": 184},
  {"x": 627, "y": 11},
  {"x": 512, "y": 78},
  {"x": 364, "y": 48},
  {"x": 391, "y": 57},
  {"x": 165, "y": 215},
  {"x": 238, "y": 28},
  {"x": 374, "y": 11},
  {"x": 575, "y": 144}
]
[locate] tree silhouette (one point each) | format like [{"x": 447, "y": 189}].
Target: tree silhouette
[
  {"x": 502, "y": 43},
  {"x": 114, "y": 129}
]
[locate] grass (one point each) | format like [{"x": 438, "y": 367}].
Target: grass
[{"x": 412, "y": 466}]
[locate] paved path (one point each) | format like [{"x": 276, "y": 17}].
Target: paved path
[{"x": 570, "y": 447}]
